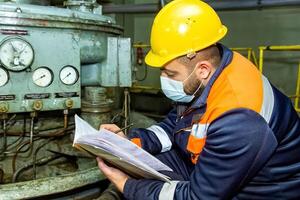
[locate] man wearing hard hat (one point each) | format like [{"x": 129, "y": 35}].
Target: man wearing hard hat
[{"x": 232, "y": 135}]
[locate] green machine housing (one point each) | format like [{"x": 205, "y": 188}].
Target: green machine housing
[{"x": 47, "y": 54}]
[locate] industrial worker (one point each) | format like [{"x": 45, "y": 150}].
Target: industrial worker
[{"x": 232, "y": 135}]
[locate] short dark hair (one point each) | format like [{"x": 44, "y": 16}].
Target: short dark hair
[{"x": 211, "y": 54}]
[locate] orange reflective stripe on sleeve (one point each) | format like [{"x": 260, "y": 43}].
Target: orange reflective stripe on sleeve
[{"x": 137, "y": 141}]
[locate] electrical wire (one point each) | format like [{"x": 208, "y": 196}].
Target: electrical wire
[
  {"x": 41, "y": 161},
  {"x": 36, "y": 138},
  {"x": 136, "y": 66},
  {"x": 35, "y": 155},
  {"x": 19, "y": 151}
]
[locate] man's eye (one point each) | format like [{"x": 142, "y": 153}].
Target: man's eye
[{"x": 170, "y": 74}]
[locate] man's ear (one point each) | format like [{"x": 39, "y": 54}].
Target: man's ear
[{"x": 203, "y": 70}]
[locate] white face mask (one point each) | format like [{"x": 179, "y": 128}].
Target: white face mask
[{"x": 174, "y": 90}]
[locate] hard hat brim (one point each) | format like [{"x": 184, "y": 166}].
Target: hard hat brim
[{"x": 154, "y": 60}]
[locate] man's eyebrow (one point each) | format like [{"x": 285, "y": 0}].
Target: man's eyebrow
[{"x": 167, "y": 70}]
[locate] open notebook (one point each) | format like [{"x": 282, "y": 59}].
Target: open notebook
[{"x": 118, "y": 151}]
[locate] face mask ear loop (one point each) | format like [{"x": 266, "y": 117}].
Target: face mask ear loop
[
  {"x": 189, "y": 75},
  {"x": 198, "y": 88}
]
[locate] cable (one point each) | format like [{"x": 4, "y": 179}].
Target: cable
[
  {"x": 145, "y": 74},
  {"x": 35, "y": 154},
  {"x": 136, "y": 66},
  {"x": 42, "y": 161},
  {"x": 19, "y": 151}
]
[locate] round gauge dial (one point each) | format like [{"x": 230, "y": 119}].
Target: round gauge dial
[
  {"x": 69, "y": 75},
  {"x": 3, "y": 77},
  {"x": 42, "y": 77},
  {"x": 16, "y": 54}
]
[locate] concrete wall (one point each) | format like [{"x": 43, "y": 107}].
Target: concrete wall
[{"x": 246, "y": 29}]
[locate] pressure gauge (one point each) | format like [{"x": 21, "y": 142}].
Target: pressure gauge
[
  {"x": 16, "y": 54},
  {"x": 69, "y": 75},
  {"x": 42, "y": 77},
  {"x": 3, "y": 77}
]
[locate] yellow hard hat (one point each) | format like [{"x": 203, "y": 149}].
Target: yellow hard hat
[{"x": 183, "y": 27}]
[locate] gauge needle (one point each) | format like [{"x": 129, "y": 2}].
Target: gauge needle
[
  {"x": 40, "y": 77},
  {"x": 67, "y": 76},
  {"x": 21, "y": 51},
  {"x": 14, "y": 48}
]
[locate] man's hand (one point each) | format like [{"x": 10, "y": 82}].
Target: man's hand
[
  {"x": 117, "y": 177},
  {"x": 113, "y": 128}
]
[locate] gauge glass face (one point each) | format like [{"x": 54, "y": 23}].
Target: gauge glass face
[
  {"x": 69, "y": 75},
  {"x": 42, "y": 77},
  {"x": 3, "y": 77},
  {"x": 16, "y": 54}
]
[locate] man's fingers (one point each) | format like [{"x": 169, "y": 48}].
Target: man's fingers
[
  {"x": 110, "y": 127},
  {"x": 103, "y": 167},
  {"x": 113, "y": 128}
]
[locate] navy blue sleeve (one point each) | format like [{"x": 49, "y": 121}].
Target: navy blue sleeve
[
  {"x": 157, "y": 138},
  {"x": 238, "y": 144}
]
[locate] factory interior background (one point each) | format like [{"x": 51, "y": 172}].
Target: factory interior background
[{"x": 111, "y": 81}]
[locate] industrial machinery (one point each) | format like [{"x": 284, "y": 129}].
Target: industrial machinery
[{"x": 54, "y": 62}]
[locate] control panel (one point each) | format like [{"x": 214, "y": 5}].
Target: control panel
[{"x": 39, "y": 71}]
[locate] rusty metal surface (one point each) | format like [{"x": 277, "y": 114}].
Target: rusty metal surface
[
  {"x": 51, "y": 185},
  {"x": 51, "y": 17}
]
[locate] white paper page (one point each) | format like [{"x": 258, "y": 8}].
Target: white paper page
[
  {"x": 123, "y": 156},
  {"x": 116, "y": 144},
  {"x": 82, "y": 128}
]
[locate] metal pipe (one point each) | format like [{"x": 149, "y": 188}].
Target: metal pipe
[
  {"x": 162, "y": 3},
  {"x": 126, "y": 108},
  {"x": 219, "y": 6},
  {"x": 31, "y": 130},
  {"x": 261, "y": 59},
  {"x": 281, "y": 48},
  {"x": 66, "y": 112},
  {"x": 50, "y": 185},
  {"x": 1, "y": 176},
  {"x": 4, "y": 146},
  {"x": 297, "y": 90}
]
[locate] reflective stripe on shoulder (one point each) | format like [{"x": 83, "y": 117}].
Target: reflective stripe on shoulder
[
  {"x": 162, "y": 136},
  {"x": 268, "y": 100},
  {"x": 199, "y": 130},
  {"x": 168, "y": 190}
]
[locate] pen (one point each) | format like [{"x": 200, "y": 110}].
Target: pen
[{"x": 126, "y": 127}]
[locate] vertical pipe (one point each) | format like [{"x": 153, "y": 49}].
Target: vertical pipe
[
  {"x": 297, "y": 90},
  {"x": 66, "y": 112},
  {"x": 261, "y": 58},
  {"x": 126, "y": 109},
  {"x": 254, "y": 58},
  {"x": 2, "y": 153},
  {"x": 31, "y": 129},
  {"x": 249, "y": 53},
  {"x": 162, "y": 3}
]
